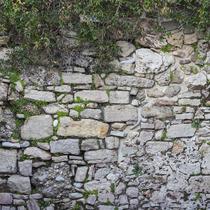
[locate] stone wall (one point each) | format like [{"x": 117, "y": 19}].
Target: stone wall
[{"x": 134, "y": 138}]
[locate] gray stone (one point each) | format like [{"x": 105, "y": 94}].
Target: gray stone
[
  {"x": 159, "y": 112},
  {"x": 198, "y": 80},
  {"x": 132, "y": 192},
  {"x": 199, "y": 184},
  {"x": 25, "y": 167},
  {"x": 81, "y": 174},
  {"x": 11, "y": 145},
  {"x": 76, "y": 78},
  {"x": 8, "y": 160},
  {"x": 89, "y": 144},
  {"x": 148, "y": 61},
  {"x": 205, "y": 152},
  {"x": 35, "y": 152},
  {"x": 126, "y": 48},
  {"x": 119, "y": 97},
  {"x": 97, "y": 185},
  {"x": 155, "y": 92},
  {"x": 92, "y": 113},
  {"x": 98, "y": 96},
  {"x": 63, "y": 89},
  {"x": 120, "y": 113},
  {"x": 32, "y": 205},
  {"x": 19, "y": 184},
  {"x": 131, "y": 81},
  {"x": 180, "y": 130},
  {"x": 104, "y": 197},
  {"x": 91, "y": 199},
  {"x": 40, "y": 95},
  {"x": 153, "y": 147},
  {"x": 172, "y": 90},
  {"x": 5, "y": 54},
  {"x": 3, "y": 91},
  {"x": 37, "y": 127},
  {"x": 101, "y": 156},
  {"x": 189, "y": 102},
  {"x": 54, "y": 108},
  {"x": 112, "y": 142},
  {"x": 65, "y": 146},
  {"x": 5, "y": 199},
  {"x": 84, "y": 128}
]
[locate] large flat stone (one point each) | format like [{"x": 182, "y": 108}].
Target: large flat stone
[
  {"x": 205, "y": 165},
  {"x": 159, "y": 112},
  {"x": 130, "y": 81},
  {"x": 148, "y": 61},
  {"x": 153, "y": 147},
  {"x": 98, "y": 96},
  {"x": 101, "y": 156},
  {"x": 76, "y": 78},
  {"x": 37, "y": 127},
  {"x": 19, "y": 184},
  {"x": 35, "y": 152},
  {"x": 97, "y": 185},
  {"x": 180, "y": 130},
  {"x": 8, "y": 160},
  {"x": 84, "y": 128},
  {"x": 40, "y": 95},
  {"x": 120, "y": 113},
  {"x": 65, "y": 146}
]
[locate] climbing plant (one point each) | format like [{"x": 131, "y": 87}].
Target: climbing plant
[{"x": 35, "y": 25}]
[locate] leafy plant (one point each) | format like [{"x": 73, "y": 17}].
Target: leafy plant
[
  {"x": 137, "y": 170},
  {"x": 163, "y": 135},
  {"x": 196, "y": 123}
]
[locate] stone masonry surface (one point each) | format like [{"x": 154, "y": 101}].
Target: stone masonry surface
[{"x": 136, "y": 138}]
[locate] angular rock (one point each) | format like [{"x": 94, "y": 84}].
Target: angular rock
[
  {"x": 120, "y": 113},
  {"x": 148, "y": 61},
  {"x": 172, "y": 90},
  {"x": 8, "y": 160},
  {"x": 132, "y": 192},
  {"x": 189, "y": 102},
  {"x": 153, "y": 147},
  {"x": 76, "y": 78},
  {"x": 176, "y": 39},
  {"x": 159, "y": 112},
  {"x": 112, "y": 142},
  {"x": 101, "y": 156},
  {"x": 130, "y": 81},
  {"x": 205, "y": 151},
  {"x": 54, "y": 108},
  {"x": 37, "y": 127},
  {"x": 5, "y": 199},
  {"x": 89, "y": 144},
  {"x": 40, "y": 95},
  {"x": 3, "y": 91},
  {"x": 25, "y": 167},
  {"x": 32, "y": 205},
  {"x": 180, "y": 130},
  {"x": 198, "y": 80},
  {"x": 97, "y": 185},
  {"x": 65, "y": 146},
  {"x": 92, "y": 113},
  {"x": 98, "y": 96},
  {"x": 84, "y": 128},
  {"x": 119, "y": 97},
  {"x": 81, "y": 174},
  {"x": 126, "y": 48},
  {"x": 19, "y": 184},
  {"x": 35, "y": 152}
]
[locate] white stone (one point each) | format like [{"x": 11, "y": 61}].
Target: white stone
[
  {"x": 37, "y": 127},
  {"x": 148, "y": 61},
  {"x": 54, "y": 108},
  {"x": 81, "y": 174},
  {"x": 180, "y": 130},
  {"x": 65, "y": 146},
  {"x": 153, "y": 147},
  {"x": 126, "y": 48},
  {"x": 40, "y": 95},
  {"x": 3, "y": 91},
  {"x": 197, "y": 80}
]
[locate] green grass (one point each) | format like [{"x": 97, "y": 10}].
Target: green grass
[
  {"x": 167, "y": 48},
  {"x": 164, "y": 135},
  {"x": 196, "y": 123},
  {"x": 137, "y": 170},
  {"x": 86, "y": 193}
]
